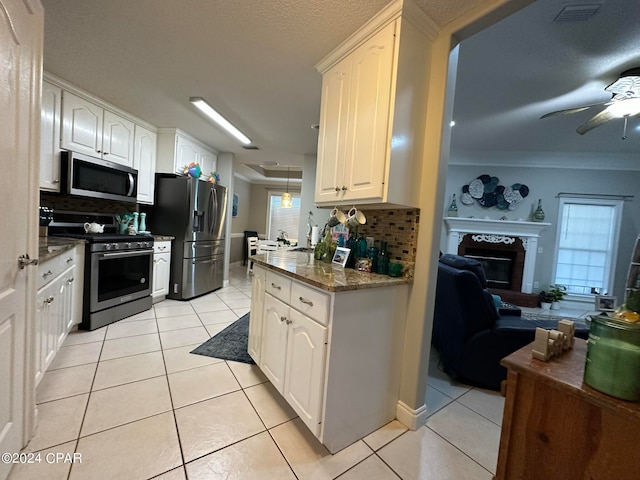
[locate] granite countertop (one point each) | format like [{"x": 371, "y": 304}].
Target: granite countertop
[
  {"x": 162, "y": 238},
  {"x": 333, "y": 278},
  {"x": 51, "y": 247}
]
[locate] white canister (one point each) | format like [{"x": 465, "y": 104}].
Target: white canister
[{"x": 315, "y": 236}]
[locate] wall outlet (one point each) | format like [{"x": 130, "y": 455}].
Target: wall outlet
[
  {"x": 536, "y": 285},
  {"x": 539, "y": 249}
]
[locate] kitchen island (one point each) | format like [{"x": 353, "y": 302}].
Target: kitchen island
[{"x": 329, "y": 339}]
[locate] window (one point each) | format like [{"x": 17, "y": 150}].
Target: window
[
  {"x": 587, "y": 243},
  {"x": 283, "y": 219}
]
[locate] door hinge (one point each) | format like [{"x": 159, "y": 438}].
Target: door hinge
[{"x": 25, "y": 261}]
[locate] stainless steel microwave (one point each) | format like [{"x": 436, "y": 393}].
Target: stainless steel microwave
[{"x": 93, "y": 177}]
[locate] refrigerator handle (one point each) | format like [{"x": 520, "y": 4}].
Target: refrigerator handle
[{"x": 214, "y": 195}]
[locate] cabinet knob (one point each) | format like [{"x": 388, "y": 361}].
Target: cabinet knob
[
  {"x": 277, "y": 287},
  {"x": 337, "y": 189},
  {"x": 55, "y": 181},
  {"x": 283, "y": 319},
  {"x": 98, "y": 151},
  {"x": 344, "y": 189},
  {"x": 105, "y": 153},
  {"x": 289, "y": 322},
  {"x": 70, "y": 259},
  {"x": 46, "y": 274},
  {"x": 49, "y": 300},
  {"x": 71, "y": 280}
]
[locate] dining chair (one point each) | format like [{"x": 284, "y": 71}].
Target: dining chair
[{"x": 252, "y": 249}]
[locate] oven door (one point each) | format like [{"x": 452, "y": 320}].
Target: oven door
[{"x": 119, "y": 277}]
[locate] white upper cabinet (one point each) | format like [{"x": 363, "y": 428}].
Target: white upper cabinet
[
  {"x": 117, "y": 139},
  {"x": 88, "y": 128},
  {"x": 51, "y": 107},
  {"x": 176, "y": 150},
  {"x": 372, "y": 111},
  {"x": 355, "y": 118},
  {"x": 144, "y": 160}
]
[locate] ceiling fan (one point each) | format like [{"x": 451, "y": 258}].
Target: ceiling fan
[{"x": 624, "y": 103}]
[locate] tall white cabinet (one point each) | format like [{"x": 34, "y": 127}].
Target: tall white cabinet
[
  {"x": 50, "y": 110},
  {"x": 144, "y": 160},
  {"x": 372, "y": 111}
]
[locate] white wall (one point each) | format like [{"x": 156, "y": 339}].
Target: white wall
[{"x": 560, "y": 175}]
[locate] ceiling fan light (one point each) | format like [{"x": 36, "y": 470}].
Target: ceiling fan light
[{"x": 625, "y": 108}]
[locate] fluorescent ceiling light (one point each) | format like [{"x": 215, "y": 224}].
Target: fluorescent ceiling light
[{"x": 209, "y": 111}]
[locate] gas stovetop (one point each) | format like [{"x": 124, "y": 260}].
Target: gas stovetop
[{"x": 71, "y": 225}]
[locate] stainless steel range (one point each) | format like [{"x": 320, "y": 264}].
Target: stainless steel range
[{"x": 117, "y": 270}]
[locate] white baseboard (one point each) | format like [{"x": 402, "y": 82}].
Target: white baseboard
[{"x": 410, "y": 418}]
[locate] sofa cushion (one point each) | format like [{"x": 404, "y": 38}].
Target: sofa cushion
[{"x": 464, "y": 263}]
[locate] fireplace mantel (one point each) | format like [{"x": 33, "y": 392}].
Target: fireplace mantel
[{"x": 498, "y": 231}]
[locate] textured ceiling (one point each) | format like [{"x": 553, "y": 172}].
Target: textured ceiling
[{"x": 252, "y": 59}]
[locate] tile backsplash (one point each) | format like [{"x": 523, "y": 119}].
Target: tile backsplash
[
  {"x": 397, "y": 227},
  {"x": 82, "y": 204}
]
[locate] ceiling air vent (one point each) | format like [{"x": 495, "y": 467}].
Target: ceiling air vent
[
  {"x": 250, "y": 147},
  {"x": 577, "y": 13}
]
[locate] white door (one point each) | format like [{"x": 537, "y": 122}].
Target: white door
[
  {"x": 304, "y": 372},
  {"x": 274, "y": 340},
  {"x": 144, "y": 160},
  {"x": 81, "y": 125},
  {"x": 257, "y": 312},
  {"x": 368, "y": 134},
  {"x": 117, "y": 139},
  {"x": 186, "y": 154},
  {"x": 50, "y": 137},
  {"x": 21, "y": 32},
  {"x": 334, "y": 113}
]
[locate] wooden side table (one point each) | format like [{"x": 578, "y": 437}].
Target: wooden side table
[{"x": 556, "y": 427}]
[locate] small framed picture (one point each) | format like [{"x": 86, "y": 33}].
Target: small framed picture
[
  {"x": 341, "y": 256},
  {"x": 605, "y": 303}
]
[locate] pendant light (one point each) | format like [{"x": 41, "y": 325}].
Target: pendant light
[{"x": 287, "y": 200}]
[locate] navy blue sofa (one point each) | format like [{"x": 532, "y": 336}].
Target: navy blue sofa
[{"x": 469, "y": 333}]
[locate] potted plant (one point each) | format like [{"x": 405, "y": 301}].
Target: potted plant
[
  {"x": 545, "y": 300},
  {"x": 557, "y": 293}
]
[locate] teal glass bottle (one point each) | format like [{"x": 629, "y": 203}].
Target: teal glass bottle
[{"x": 383, "y": 259}]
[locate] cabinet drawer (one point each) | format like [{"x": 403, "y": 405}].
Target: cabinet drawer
[
  {"x": 278, "y": 286},
  {"x": 162, "y": 247},
  {"x": 52, "y": 268},
  {"x": 313, "y": 303}
]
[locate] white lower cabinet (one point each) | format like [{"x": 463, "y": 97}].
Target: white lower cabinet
[
  {"x": 293, "y": 358},
  {"x": 304, "y": 369},
  {"x": 161, "y": 270},
  {"x": 58, "y": 305},
  {"x": 335, "y": 357},
  {"x": 257, "y": 313}
]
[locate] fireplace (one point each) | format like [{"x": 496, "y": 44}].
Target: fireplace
[
  {"x": 503, "y": 262},
  {"x": 497, "y": 268},
  {"x": 507, "y": 249}
]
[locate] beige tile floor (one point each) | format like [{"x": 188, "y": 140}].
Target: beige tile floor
[{"x": 135, "y": 404}]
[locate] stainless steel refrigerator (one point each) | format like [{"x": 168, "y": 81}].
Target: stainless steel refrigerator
[{"x": 194, "y": 212}]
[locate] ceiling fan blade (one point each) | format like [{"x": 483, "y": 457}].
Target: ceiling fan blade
[
  {"x": 598, "y": 119},
  {"x": 569, "y": 111}
]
